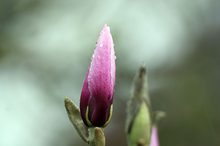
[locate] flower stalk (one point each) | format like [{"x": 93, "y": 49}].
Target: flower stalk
[{"x": 96, "y": 137}]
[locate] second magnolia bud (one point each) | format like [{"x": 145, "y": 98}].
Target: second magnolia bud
[{"x": 138, "y": 123}]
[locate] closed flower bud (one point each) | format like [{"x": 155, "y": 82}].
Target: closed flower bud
[
  {"x": 98, "y": 87},
  {"x": 154, "y": 137},
  {"x": 140, "y": 131},
  {"x": 138, "y": 122}
]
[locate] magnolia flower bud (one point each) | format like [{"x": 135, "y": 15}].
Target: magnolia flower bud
[
  {"x": 98, "y": 87},
  {"x": 140, "y": 130},
  {"x": 138, "y": 122},
  {"x": 154, "y": 137}
]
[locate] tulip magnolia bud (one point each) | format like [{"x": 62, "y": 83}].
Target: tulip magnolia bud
[
  {"x": 154, "y": 137},
  {"x": 138, "y": 123},
  {"x": 98, "y": 87},
  {"x": 140, "y": 130}
]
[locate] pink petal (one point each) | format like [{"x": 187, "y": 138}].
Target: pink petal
[
  {"x": 98, "y": 87},
  {"x": 101, "y": 78},
  {"x": 154, "y": 137}
]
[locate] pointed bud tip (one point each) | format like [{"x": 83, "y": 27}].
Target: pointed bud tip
[
  {"x": 105, "y": 37},
  {"x": 106, "y": 31},
  {"x": 142, "y": 71},
  {"x": 106, "y": 27}
]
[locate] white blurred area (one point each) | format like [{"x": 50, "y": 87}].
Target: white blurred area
[
  {"x": 154, "y": 32},
  {"x": 28, "y": 116},
  {"x": 51, "y": 45}
]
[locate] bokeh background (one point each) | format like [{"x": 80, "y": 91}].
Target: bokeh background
[{"x": 46, "y": 46}]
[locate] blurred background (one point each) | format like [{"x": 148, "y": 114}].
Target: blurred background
[{"x": 46, "y": 46}]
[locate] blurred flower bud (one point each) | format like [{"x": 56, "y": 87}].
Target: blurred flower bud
[
  {"x": 157, "y": 116},
  {"x": 138, "y": 123},
  {"x": 154, "y": 137},
  {"x": 98, "y": 87},
  {"x": 140, "y": 130}
]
